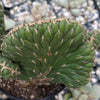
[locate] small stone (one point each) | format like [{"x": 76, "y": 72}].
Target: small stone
[
  {"x": 80, "y": 19},
  {"x": 95, "y": 16},
  {"x": 67, "y": 14},
  {"x": 63, "y": 3},
  {"x": 83, "y": 9},
  {"x": 75, "y": 12},
  {"x": 0, "y": 80},
  {"x": 97, "y": 60},
  {"x": 12, "y": 12},
  {"x": 9, "y": 24},
  {"x": 32, "y": 96},
  {"x": 3, "y": 96},
  {"x": 92, "y": 72},
  {"x": 90, "y": 2},
  {"x": 94, "y": 80},
  {"x": 57, "y": 8},
  {"x": 4, "y": 85},
  {"x": 95, "y": 26},
  {"x": 29, "y": 19},
  {"x": 98, "y": 72}
]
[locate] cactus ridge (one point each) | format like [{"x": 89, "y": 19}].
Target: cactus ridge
[
  {"x": 54, "y": 49},
  {"x": 7, "y": 68},
  {"x": 10, "y": 70},
  {"x": 95, "y": 39}
]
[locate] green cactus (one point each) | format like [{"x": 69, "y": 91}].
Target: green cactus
[{"x": 57, "y": 50}]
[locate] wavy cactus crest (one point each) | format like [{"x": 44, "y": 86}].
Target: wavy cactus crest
[
  {"x": 2, "y": 28},
  {"x": 56, "y": 50}
]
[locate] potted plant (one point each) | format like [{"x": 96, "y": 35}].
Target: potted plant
[{"x": 37, "y": 57}]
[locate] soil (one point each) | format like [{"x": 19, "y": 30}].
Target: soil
[{"x": 28, "y": 91}]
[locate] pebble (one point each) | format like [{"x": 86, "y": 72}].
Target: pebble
[
  {"x": 67, "y": 14},
  {"x": 32, "y": 97},
  {"x": 75, "y": 12},
  {"x": 94, "y": 80},
  {"x": 10, "y": 3},
  {"x": 98, "y": 72},
  {"x": 3, "y": 96},
  {"x": 63, "y": 3}
]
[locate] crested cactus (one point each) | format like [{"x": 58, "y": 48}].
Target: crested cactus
[
  {"x": 57, "y": 50},
  {"x": 2, "y": 28}
]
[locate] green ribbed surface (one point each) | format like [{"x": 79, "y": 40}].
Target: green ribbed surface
[
  {"x": 96, "y": 39},
  {"x": 8, "y": 69},
  {"x": 55, "y": 49}
]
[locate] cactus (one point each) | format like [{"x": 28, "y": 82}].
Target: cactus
[
  {"x": 2, "y": 28},
  {"x": 57, "y": 50}
]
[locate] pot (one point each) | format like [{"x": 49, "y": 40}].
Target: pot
[{"x": 50, "y": 96}]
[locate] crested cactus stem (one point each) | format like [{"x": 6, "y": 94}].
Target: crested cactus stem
[{"x": 54, "y": 49}]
